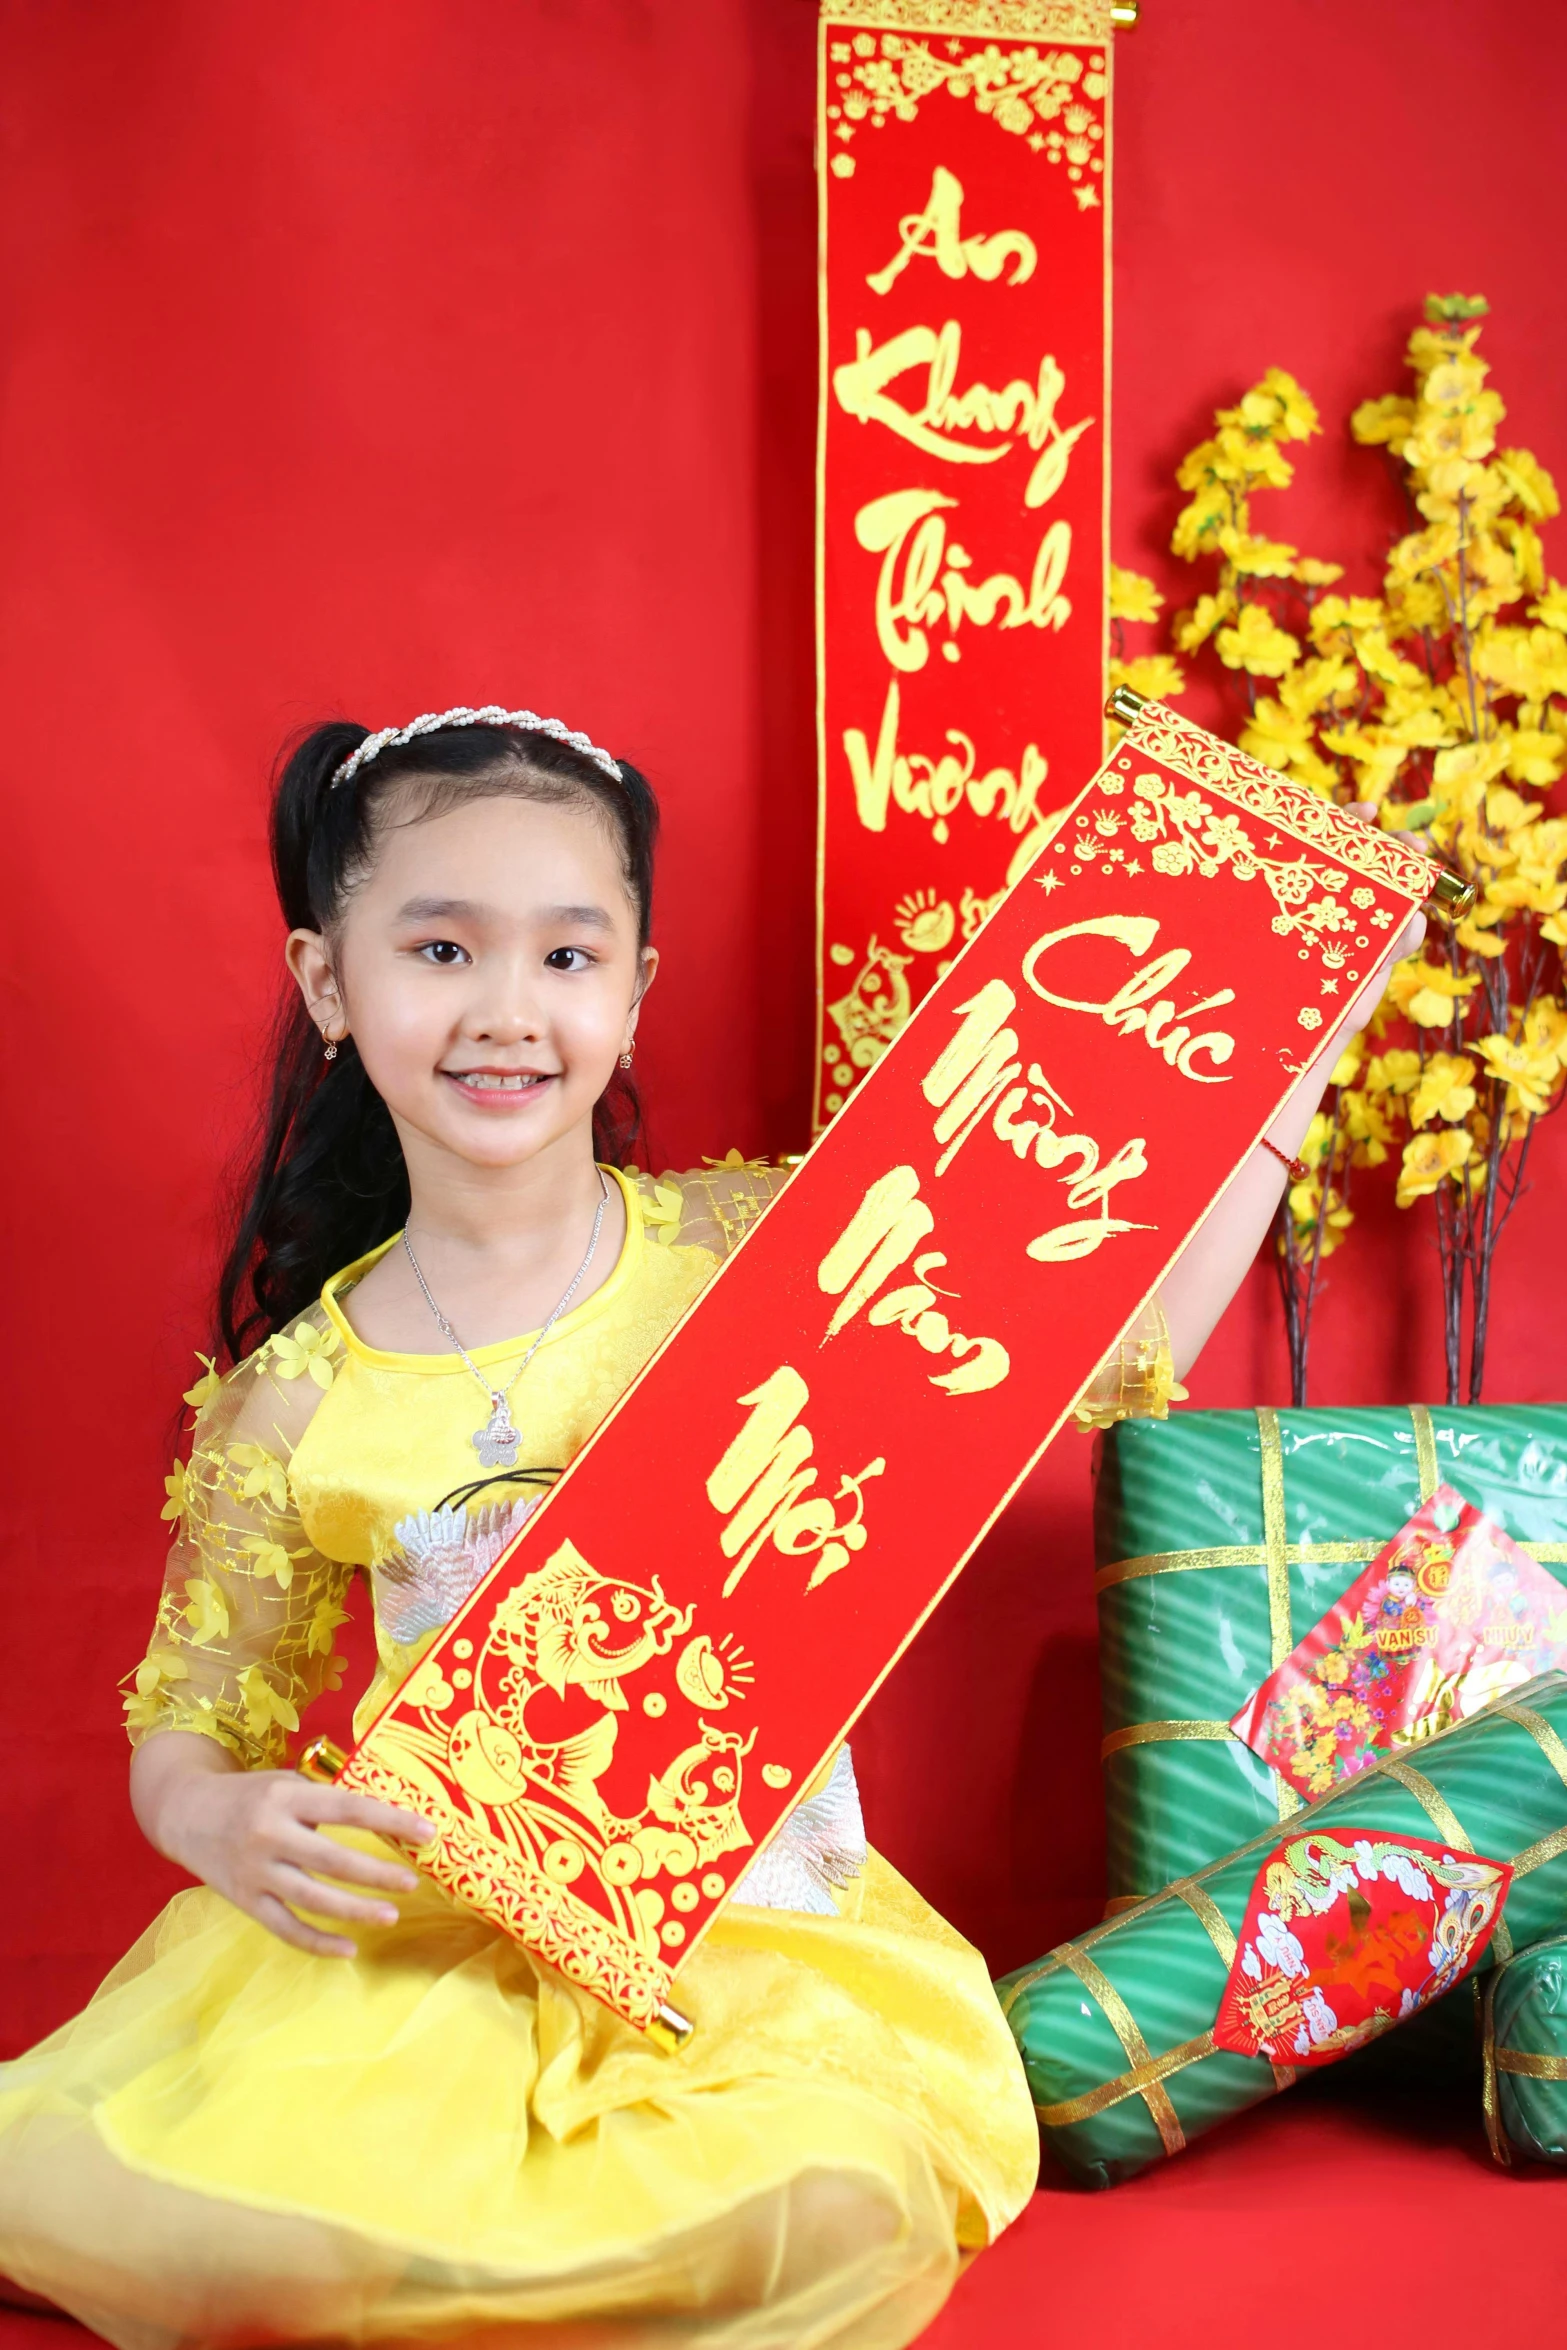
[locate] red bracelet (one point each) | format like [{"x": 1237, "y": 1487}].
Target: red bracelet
[{"x": 1297, "y": 1167}]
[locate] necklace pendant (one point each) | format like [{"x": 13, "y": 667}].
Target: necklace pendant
[{"x": 497, "y": 1442}]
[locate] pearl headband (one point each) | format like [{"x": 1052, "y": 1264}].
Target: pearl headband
[{"x": 393, "y": 737}]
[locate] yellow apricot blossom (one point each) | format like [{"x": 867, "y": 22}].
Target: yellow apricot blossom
[
  {"x": 1395, "y": 1072},
  {"x": 1427, "y": 992},
  {"x": 1446, "y": 1090},
  {"x": 206, "y": 1386},
  {"x": 1429, "y": 1159},
  {"x": 1528, "y": 1072},
  {"x": 1388, "y": 421},
  {"x": 1544, "y": 1029},
  {"x": 1156, "y": 676},
  {"x": 1193, "y": 628},
  {"x": 1257, "y": 644},
  {"x": 1442, "y": 702},
  {"x": 1132, "y": 597}
]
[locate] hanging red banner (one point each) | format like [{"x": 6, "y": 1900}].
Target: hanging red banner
[
  {"x": 962, "y": 478},
  {"x": 648, "y": 1680}
]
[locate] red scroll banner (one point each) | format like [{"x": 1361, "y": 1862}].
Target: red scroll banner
[
  {"x": 643, "y": 1687},
  {"x": 964, "y": 189}
]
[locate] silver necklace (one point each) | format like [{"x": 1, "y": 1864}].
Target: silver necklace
[{"x": 497, "y": 1441}]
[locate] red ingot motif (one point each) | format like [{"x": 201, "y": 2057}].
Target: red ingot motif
[
  {"x": 1349, "y": 1934},
  {"x": 647, "y": 1681}
]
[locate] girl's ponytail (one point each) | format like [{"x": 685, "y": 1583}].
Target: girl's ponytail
[{"x": 326, "y": 1181}]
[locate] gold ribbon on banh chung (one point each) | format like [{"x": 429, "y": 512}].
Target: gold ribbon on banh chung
[
  {"x": 1189, "y": 1625},
  {"x": 1116, "y": 2027}
]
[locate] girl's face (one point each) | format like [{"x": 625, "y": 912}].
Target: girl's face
[{"x": 487, "y": 969}]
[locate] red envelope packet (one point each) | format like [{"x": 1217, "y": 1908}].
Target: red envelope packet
[
  {"x": 1347, "y": 1935},
  {"x": 1447, "y": 1617}
]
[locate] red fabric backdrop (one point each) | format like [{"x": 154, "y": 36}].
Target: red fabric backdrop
[{"x": 364, "y": 358}]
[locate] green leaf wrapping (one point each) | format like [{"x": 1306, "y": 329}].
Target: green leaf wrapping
[
  {"x": 1526, "y": 2054},
  {"x": 1197, "y": 1604},
  {"x": 1111, "y": 2100}
]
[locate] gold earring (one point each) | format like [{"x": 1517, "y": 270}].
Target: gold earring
[
  {"x": 331, "y": 1049},
  {"x": 625, "y": 1058}
]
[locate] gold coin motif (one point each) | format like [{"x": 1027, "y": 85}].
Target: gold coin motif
[
  {"x": 564, "y": 1860},
  {"x": 462, "y": 1678},
  {"x": 685, "y": 1896},
  {"x": 713, "y": 1886},
  {"x": 655, "y": 1704},
  {"x": 776, "y": 1775},
  {"x": 462, "y": 1648},
  {"x": 673, "y": 1933},
  {"x": 621, "y": 1865}
]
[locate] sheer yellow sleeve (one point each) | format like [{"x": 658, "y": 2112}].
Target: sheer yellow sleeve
[
  {"x": 711, "y": 1207},
  {"x": 1136, "y": 1380},
  {"x": 244, "y": 1634}
]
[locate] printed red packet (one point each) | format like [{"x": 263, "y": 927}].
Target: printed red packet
[
  {"x": 1448, "y": 1616},
  {"x": 1347, "y": 1935}
]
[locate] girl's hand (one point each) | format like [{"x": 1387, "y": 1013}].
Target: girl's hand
[
  {"x": 254, "y": 1836},
  {"x": 1408, "y": 942}
]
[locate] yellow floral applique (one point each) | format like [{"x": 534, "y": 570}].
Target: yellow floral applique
[
  {"x": 177, "y": 1501},
  {"x": 263, "y": 1704},
  {"x": 144, "y": 1704},
  {"x": 207, "y": 1612},
  {"x": 265, "y": 1478},
  {"x": 272, "y": 1559},
  {"x": 206, "y": 1386},
  {"x": 303, "y": 1351},
  {"x": 739, "y": 1159},
  {"x": 323, "y": 1627},
  {"x": 662, "y": 1212}
]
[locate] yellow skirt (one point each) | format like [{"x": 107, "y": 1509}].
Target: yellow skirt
[{"x": 236, "y": 2143}]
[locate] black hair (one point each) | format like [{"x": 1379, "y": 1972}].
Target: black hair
[{"x": 325, "y": 1181}]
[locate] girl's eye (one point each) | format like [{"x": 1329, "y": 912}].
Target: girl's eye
[
  {"x": 443, "y": 950},
  {"x": 567, "y": 959}
]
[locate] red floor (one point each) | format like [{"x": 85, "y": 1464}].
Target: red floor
[{"x": 1304, "y": 2219}]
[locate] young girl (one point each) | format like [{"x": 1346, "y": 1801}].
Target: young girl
[{"x": 318, "y": 2102}]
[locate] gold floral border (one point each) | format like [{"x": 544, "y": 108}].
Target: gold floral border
[
  {"x": 550, "y": 1923},
  {"x": 1046, "y": 98},
  {"x": 1317, "y": 823},
  {"x": 1048, "y": 20}
]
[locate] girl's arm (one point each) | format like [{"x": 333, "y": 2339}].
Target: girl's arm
[{"x": 243, "y": 1641}]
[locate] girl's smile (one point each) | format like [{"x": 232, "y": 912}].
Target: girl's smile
[{"x": 492, "y": 1090}]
